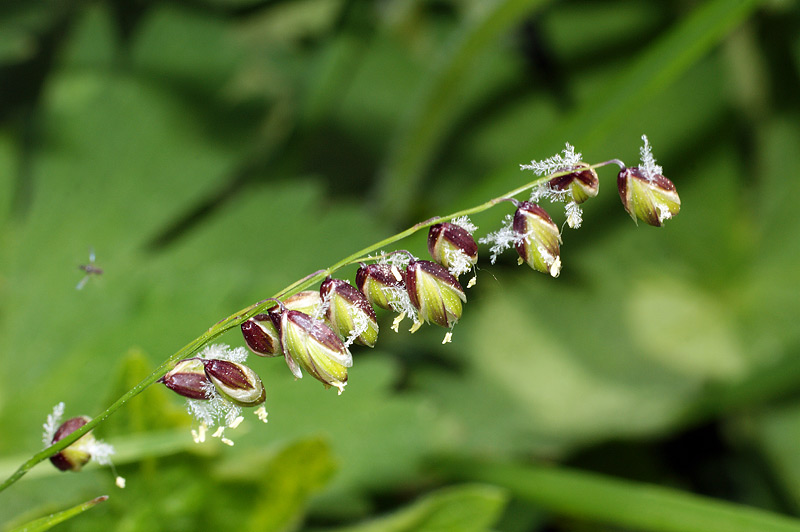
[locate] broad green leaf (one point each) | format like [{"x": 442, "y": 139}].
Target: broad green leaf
[
  {"x": 603, "y": 499},
  {"x": 293, "y": 475},
  {"x": 388, "y": 447},
  {"x": 180, "y": 46},
  {"x": 467, "y": 508}
]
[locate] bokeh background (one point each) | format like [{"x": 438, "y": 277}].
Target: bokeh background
[{"x": 211, "y": 152}]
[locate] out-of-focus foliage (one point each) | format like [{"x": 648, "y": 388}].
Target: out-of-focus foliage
[{"x": 211, "y": 152}]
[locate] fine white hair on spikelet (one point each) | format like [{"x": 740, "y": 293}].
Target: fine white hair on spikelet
[
  {"x": 545, "y": 191},
  {"x": 360, "y": 326},
  {"x": 465, "y": 223},
  {"x": 322, "y": 309},
  {"x": 224, "y": 352}
]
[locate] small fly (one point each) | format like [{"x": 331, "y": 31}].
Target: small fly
[{"x": 89, "y": 269}]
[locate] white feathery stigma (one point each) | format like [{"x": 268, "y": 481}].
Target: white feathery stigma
[
  {"x": 398, "y": 260},
  {"x": 399, "y": 300},
  {"x": 458, "y": 260},
  {"x": 214, "y": 410},
  {"x": 98, "y": 450},
  {"x": 555, "y": 163},
  {"x": 545, "y": 191},
  {"x": 574, "y": 214},
  {"x": 52, "y": 423},
  {"x": 502, "y": 239},
  {"x": 648, "y": 167},
  {"x": 224, "y": 352}
]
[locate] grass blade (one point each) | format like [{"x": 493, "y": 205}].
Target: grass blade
[
  {"x": 45, "y": 523},
  {"x": 609, "y": 500}
]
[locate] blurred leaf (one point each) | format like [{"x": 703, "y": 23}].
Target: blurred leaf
[
  {"x": 293, "y": 475},
  {"x": 469, "y": 508},
  {"x": 21, "y": 23},
  {"x": 81, "y": 50},
  {"x": 558, "y": 369},
  {"x": 174, "y": 153},
  {"x": 179, "y": 45},
  {"x": 611, "y": 501},
  {"x": 777, "y": 431},
  {"x": 148, "y": 412},
  {"x": 15, "y": 45},
  {"x": 770, "y": 298},
  {"x": 423, "y": 129},
  {"x": 119, "y": 159},
  {"x": 157, "y": 164},
  {"x": 657, "y": 67},
  {"x": 46, "y": 523},
  {"x": 608, "y": 109},
  {"x": 8, "y": 176},
  {"x": 388, "y": 446},
  {"x": 293, "y": 21}
]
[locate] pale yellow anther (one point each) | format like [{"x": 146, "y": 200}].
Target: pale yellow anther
[
  {"x": 447, "y": 338},
  {"x": 226, "y": 441},
  {"x": 261, "y": 412},
  {"x": 414, "y": 328},
  {"x": 472, "y": 282},
  {"x": 236, "y": 422},
  {"x": 120, "y": 482},
  {"x": 397, "y": 320},
  {"x": 199, "y": 435},
  {"x": 218, "y": 433},
  {"x": 396, "y": 273},
  {"x": 555, "y": 268}
]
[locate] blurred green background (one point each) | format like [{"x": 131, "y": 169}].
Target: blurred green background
[{"x": 213, "y": 151}]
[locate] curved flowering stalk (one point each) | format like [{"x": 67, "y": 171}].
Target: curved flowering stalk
[{"x": 563, "y": 178}]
